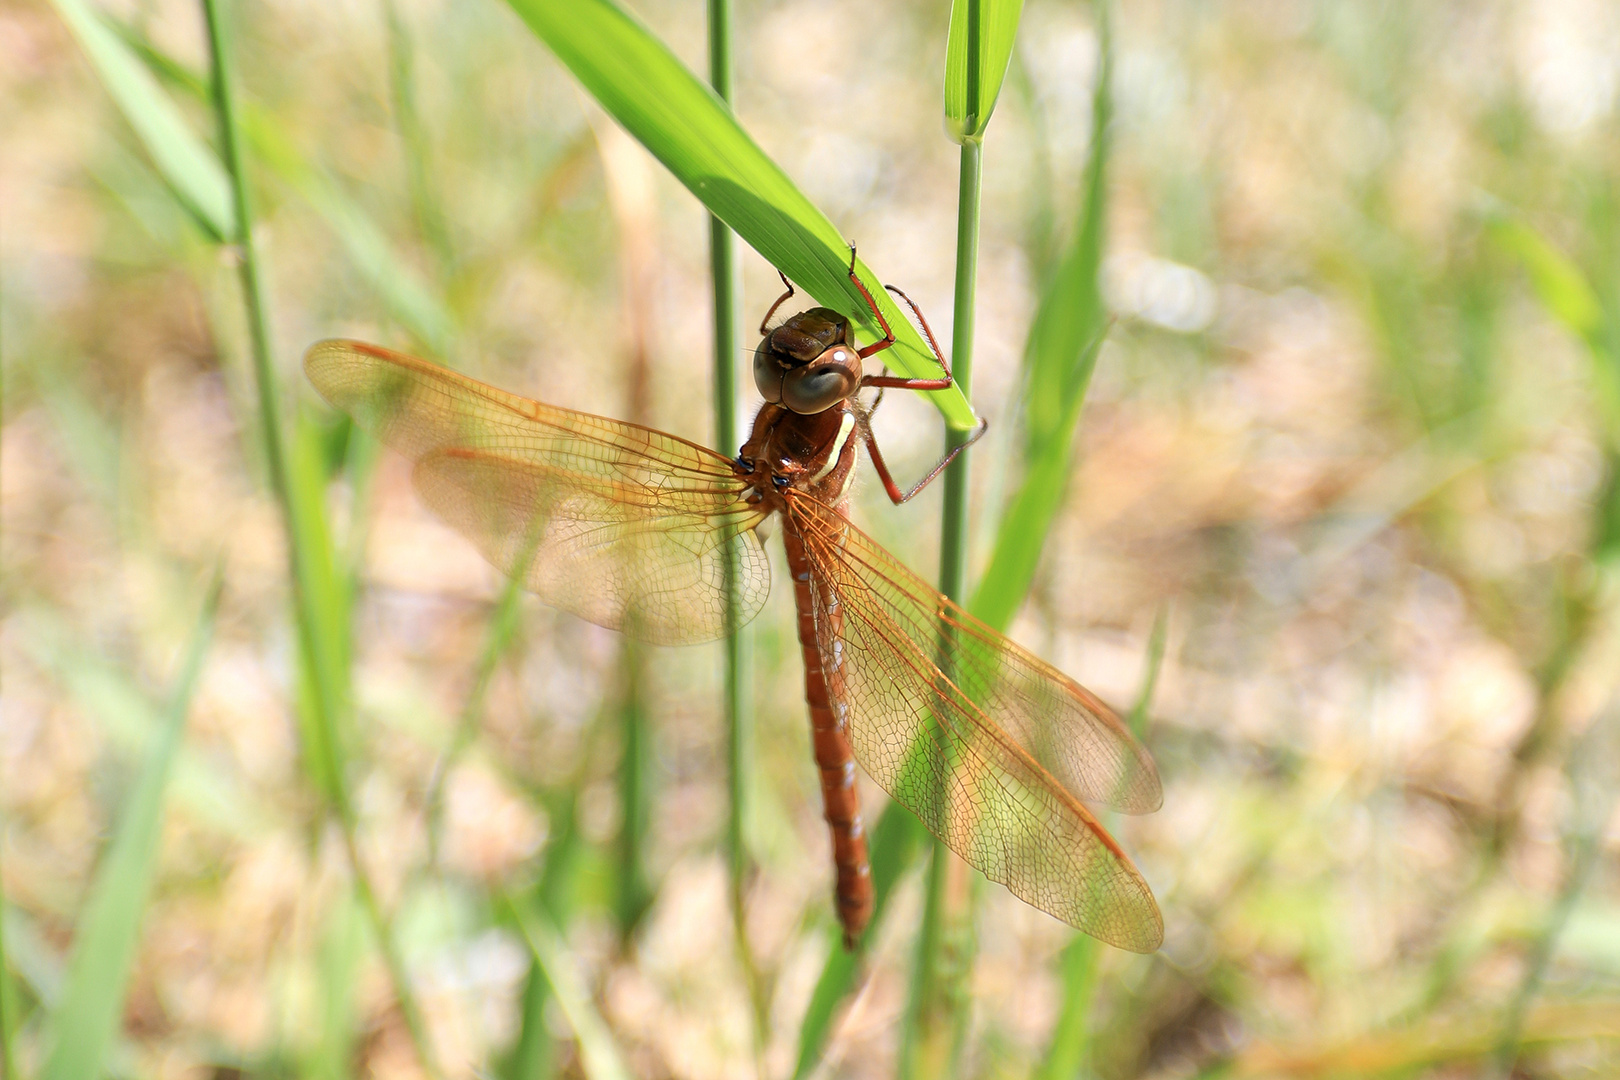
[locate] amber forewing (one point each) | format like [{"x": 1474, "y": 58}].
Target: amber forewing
[{"x": 619, "y": 524}]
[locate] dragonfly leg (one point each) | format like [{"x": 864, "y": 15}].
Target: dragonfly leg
[
  {"x": 888, "y": 334},
  {"x": 878, "y": 400},
  {"x": 780, "y": 300},
  {"x": 898, "y": 382},
  {"x": 897, "y": 496}
]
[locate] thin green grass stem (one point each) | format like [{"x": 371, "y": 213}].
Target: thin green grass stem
[
  {"x": 726, "y": 274},
  {"x": 322, "y": 654},
  {"x": 931, "y": 1036},
  {"x": 8, "y": 1056},
  {"x": 498, "y": 636},
  {"x": 633, "y": 895},
  {"x": 1590, "y": 769}
]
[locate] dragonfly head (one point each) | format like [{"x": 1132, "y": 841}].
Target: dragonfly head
[{"x": 808, "y": 363}]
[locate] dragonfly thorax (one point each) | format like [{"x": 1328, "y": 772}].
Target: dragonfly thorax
[
  {"x": 809, "y": 363},
  {"x": 812, "y": 453}
]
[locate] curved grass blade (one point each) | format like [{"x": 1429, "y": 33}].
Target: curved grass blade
[
  {"x": 686, "y": 126},
  {"x": 896, "y": 840},
  {"x": 407, "y": 299},
  {"x": 186, "y": 164},
  {"x": 87, "y": 1019},
  {"x": 976, "y": 57},
  {"x": 599, "y": 1054},
  {"x": 1570, "y": 297},
  {"x": 123, "y": 49}
]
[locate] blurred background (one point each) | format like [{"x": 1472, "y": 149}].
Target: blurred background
[{"x": 1351, "y": 441}]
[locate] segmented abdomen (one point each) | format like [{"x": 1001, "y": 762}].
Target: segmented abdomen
[{"x": 823, "y": 690}]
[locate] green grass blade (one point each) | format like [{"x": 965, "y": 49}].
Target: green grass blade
[
  {"x": 725, "y": 271},
  {"x": 1569, "y": 296},
  {"x": 408, "y": 120},
  {"x": 7, "y": 1007},
  {"x": 1021, "y": 534},
  {"x": 896, "y": 840},
  {"x": 632, "y": 890},
  {"x": 1559, "y": 283},
  {"x": 408, "y": 300},
  {"x": 933, "y": 1026},
  {"x": 186, "y": 164},
  {"x": 976, "y": 57},
  {"x": 342, "y": 948},
  {"x": 686, "y": 126},
  {"x": 599, "y": 1054},
  {"x": 132, "y": 723},
  {"x": 1066, "y": 1053},
  {"x": 1062, "y": 348},
  {"x": 531, "y": 1055},
  {"x": 87, "y": 1019},
  {"x": 1059, "y": 355},
  {"x": 322, "y": 599}
]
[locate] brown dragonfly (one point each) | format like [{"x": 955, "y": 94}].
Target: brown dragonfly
[{"x": 634, "y": 529}]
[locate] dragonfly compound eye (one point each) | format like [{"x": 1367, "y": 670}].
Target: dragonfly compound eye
[
  {"x": 768, "y": 372},
  {"x": 819, "y": 386}
]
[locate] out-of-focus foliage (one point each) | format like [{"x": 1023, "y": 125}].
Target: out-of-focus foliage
[{"x": 1354, "y": 427}]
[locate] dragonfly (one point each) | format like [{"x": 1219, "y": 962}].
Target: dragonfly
[{"x": 996, "y": 752}]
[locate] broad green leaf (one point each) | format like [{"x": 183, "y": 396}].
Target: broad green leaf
[
  {"x": 87, "y": 1020},
  {"x": 680, "y": 120},
  {"x": 190, "y": 169},
  {"x": 976, "y": 57},
  {"x": 598, "y": 1053}
]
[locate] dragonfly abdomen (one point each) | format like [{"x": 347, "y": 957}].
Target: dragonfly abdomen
[{"x": 823, "y": 691}]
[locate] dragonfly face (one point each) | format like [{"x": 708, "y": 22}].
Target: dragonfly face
[{"x": 809, "y": 363}]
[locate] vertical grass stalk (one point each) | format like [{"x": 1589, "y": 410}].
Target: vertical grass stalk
[
  {"x": 1590, "y": 770},
  {"x": 930, "y": 1040},
  {"x": 322, "y": 650},
  {"x": 727, "y": 277},
  {"x": 8, "y": 1056}
]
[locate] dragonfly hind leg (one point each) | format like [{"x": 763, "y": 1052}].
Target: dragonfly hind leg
[{"x": 892, "y": 489}]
